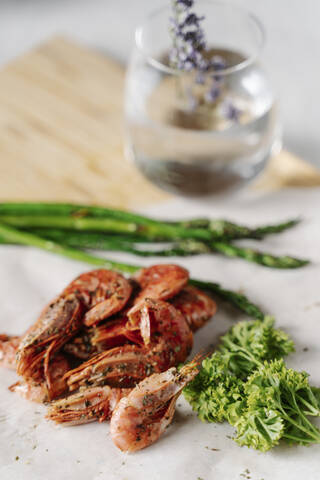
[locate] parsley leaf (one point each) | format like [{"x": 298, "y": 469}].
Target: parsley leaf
[{"x": 247, "y": 383}]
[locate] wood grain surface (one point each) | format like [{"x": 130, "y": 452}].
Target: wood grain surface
[{"x": 61, "y": 133}]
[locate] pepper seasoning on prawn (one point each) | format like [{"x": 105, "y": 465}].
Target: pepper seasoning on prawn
[
  {"x": 162, "y": 339},
  {"x": 140, "y": 418},
  {"x": 88, "y": 405},
  {"x": 102, "y": 291},
  {"x": 196, "y": 306},
  {"x": 161, "y": 282},
  {"x": 38, "y": 391},
  {"x": 158, "y": 282},
  {"x": 58, "y": 322}
]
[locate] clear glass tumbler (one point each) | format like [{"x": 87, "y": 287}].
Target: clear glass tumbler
[{"x": 191, "y": 148}]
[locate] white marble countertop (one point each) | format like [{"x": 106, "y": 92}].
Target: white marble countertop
[{"x": 291, "y": 55}]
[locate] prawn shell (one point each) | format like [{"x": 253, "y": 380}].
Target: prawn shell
[
  {"x": 161, "y": 282},
  {"x": 165, "y": 341},
  {"x": 196, "y": 306},
  {"x": 87, "y": 405},
  {"x": 142, "y": 417},
  {"x": 103, "y": 292},
  {"x": 57, "y": 323},
  {"x": 38, "y": 391}
]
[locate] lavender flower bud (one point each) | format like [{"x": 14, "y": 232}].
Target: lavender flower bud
[
  {"x": 188, "y": 66},
  {"x": 213, "y": 94},
  {"x": 191, "y": 36},
  {"x": 230, "y": 111},
  {"x": 192, "y": 19},
  {"x": 218, "y": 63},
  {"x": 185, "y": 3}
]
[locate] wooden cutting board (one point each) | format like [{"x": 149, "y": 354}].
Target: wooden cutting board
[{"x": 61, "y": 133}]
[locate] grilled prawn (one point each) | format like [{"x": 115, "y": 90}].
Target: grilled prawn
[
  {"x": 161, "y": 282},
  {"x": 142, "y": 416},
  {"x": 90, "y": 298},
  {"x": 37, "y": 391},
  {"x": 162, "y": 339},
  {"x": 58, "y": 322},
  {"x": 195, "y": 305},
  {"x": 88, "y": 405},
  {"x": 103, "y": 293}
]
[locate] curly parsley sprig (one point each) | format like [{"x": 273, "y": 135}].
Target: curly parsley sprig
[{"x": 247, "y": 383}]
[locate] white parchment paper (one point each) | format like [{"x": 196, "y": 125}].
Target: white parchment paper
[{"x": 33, "y": 448}]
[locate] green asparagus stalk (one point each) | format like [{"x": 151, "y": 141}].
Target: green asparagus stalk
[
  {"x": 69, "y": 209},
  {"x": 238, "y": 300},
  {"x": 255, "y": 256},
  {"x": 152, "y": 231},
  {"x": 96, "y": 241},
  {"x": 260, "y": 232},
  {"x": 108, "y": 225},
  {"x": 220, "y": 229},
  {"x": 11, "y": 235},
  {"x": 91, "y": 240},
  {"x": 232, "y": 231},
  {"x": 120, "y": 243}
]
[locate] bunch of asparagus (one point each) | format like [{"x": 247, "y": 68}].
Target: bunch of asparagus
[
  {"x": 68, "y": 229},
  {"x": 100, "y": 228}
]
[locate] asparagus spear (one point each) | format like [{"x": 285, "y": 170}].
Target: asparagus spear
[
  {"x": 219, "y": 228},
  {"x": 83, "y": 239},
  {"x": 255, "y": 256},
  {"x": 110, "y": 225},
  {"x": 69, "y": 209},
  {"x": 238, "y": 300},
  {"x": 120, "y": 243},
  {"x": 180, "y": 249},
  {"x": 11, "y": 235},
  {"x": 155, "y": 232},
  {"x": 233, "y": 231},
  {"x": 14, "y": 236}
]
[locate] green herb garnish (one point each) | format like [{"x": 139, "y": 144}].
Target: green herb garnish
[{"x": 247, "y": 383}]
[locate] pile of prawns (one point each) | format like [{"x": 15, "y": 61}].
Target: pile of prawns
[{"x": 117, "y": 343}]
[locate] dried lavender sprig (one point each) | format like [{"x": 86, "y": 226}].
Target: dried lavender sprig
[
  {"x": 187, "y": 54},
  {"x": 188, "y": 38}
]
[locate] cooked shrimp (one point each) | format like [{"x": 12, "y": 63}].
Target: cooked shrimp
[
  {"x": 81, "y": 345},
  {"x": 58, "y": 322},
  {"x": 87, "y": 405},
  {"x": 195, "y": 305},
  {"x": 8, "y": 349},
  {"x": 103, "y": 292},
  {"x": 161, "y": 282},
  {"x": 37, "y": 391},
  {"x": 113, "y": 333},
  {"x": 91, "y": 341},
  {"x": 141, "y": 417},
  {"x": 162, "y": 339}
]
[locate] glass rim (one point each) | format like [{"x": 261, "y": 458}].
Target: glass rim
[{"x": 226, "y": 71}]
